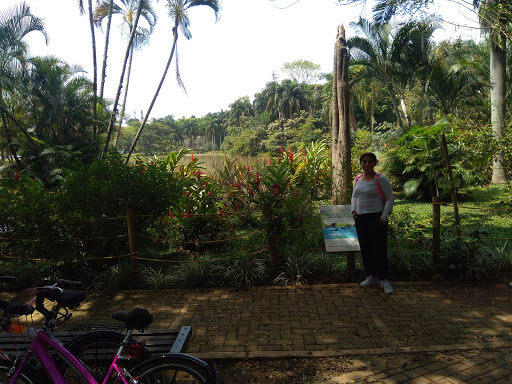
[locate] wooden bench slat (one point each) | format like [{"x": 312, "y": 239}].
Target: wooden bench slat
[{"x": 157, "y": 341}]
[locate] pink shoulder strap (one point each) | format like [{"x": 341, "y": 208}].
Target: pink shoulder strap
[{"x": 379, "y": 190}]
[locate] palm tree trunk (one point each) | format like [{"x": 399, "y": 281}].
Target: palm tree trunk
[
  {"x": 132, "y": 147},
  {"x": 105, "y": 50},
  {"x": 404, "y": 110},
  {"x": 125, "y": 96},
  {"x": 5, "y": 113},
  {"x": 8, "y": 138},
  {"x": 498, "y": 91},
  {"x": 372, "y": 108},
  {"x": 392, "y": 94},
  {"x": 95, "y": 78},
  {"x": 118, "y": 93}
]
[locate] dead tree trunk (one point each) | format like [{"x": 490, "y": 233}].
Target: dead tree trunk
[{"x": 341, "y": 159}]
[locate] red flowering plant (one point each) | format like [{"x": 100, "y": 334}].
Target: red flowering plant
[
  {"x": 313, "y": 170},
  {"x": 194, "y": 218},
  {"x": 237, "y": 194},
  {"x": 284, "y": 185}
]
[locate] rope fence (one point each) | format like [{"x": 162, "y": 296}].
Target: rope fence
[{"x": 272, "y": 247}]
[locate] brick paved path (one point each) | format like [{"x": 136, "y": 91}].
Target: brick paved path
[{"x": 423, "y": 333}]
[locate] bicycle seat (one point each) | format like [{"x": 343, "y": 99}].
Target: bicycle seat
[
  {"x": 15, "y": 309},
  {"x": 138, "y": 318}
]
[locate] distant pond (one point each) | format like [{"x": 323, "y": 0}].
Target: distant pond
[{"x": 212, "y": 161}]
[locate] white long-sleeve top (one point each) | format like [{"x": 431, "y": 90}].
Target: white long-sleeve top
[{"x": 365, "y": 198}]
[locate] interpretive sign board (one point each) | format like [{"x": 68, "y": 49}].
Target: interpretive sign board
[{"x": 339, "y": 228}]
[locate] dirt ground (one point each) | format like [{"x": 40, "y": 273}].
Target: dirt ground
[{"x": 296, "y": 371}]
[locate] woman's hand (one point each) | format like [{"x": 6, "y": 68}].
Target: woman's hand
[
  {"x": 354, "y": 214},
  {"x": 382, "y": 221}
]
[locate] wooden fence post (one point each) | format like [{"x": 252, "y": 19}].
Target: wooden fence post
[
  {"x": 436, "y": 229},
  {"x": 130, "y": 222},
  {"x": 351, "y": 262},
  {"x": 444, "y": 150},
  {"x": 271, "y": 236}
]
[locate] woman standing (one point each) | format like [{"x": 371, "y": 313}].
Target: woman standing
[{"x": 372, "y": 202}]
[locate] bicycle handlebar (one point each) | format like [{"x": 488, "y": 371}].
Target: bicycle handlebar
[
  {"x": 54, "y": 292},
  {"x": 60, "y": 283}
]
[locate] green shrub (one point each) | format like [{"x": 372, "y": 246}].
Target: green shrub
[
  {"x": 297, "y": 269},
  {"x": 155, "y": 278},
  {"x": 246, "y": 272},
  {"x": 115, "y": 278},
  {"x": 197, "y": 272}
]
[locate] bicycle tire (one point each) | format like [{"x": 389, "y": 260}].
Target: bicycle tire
[
  {"x": 175, "y": 368},
  {"x": 96, "y": 350},
  {"x": 26, "y": 376}
]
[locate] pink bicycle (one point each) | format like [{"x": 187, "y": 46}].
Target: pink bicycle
[{"x": 43, "y": 359}]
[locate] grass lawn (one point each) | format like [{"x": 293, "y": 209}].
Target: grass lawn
[{"x": 480, "y": 209}]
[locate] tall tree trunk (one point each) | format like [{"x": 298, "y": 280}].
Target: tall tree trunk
[
  {"x": 392, "y": 94},
  {"x": 105, "y": 50},
  {"x": 341, "y": 159},
  {"x": 8, "y": 139},
  {"x": 125, "y": 96},
  {"x": 95, "y": 78},
  {"x": 171, "y": 55},
  {"x": 372, "y": 111},
  {"x": 5, "y": 113},
  {"x": 498, "y": 90},
  {"x": 404, "y": 110},
  {"x": 118, "y": 93}
]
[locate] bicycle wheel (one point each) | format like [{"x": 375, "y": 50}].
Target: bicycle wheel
[
  {"x": 96, "y": 349},
  {"x": 175, "y": 368},
  {"x": 26, "y": 377}
]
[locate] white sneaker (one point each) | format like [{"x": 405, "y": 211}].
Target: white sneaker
[
  {"x": 370, "y": 280},
  {"x": 386, "y": 286}
]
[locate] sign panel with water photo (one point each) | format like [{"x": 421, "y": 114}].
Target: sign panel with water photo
[{"x": 339, "y": 228}]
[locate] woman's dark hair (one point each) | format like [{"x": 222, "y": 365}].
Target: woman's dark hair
[{"x": 368, "y": 154}]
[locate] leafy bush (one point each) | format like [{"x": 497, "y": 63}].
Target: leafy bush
[{"x": 418, "y": 167}]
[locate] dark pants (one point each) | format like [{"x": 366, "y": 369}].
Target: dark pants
[{"x": 373, "y": 240}]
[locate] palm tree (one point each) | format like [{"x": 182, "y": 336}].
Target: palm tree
[
  {"x": 15, "y": 24},
  {"x": 127, "y": 9},
  {"x": 269, "y": 98},
  {"x": 495, "y": 17},
  {"x": 293, "y": 98},
  {"x": 455, "y": 77},
  {"x": 59, "y": 101},
  {"x": 94, "y": 64},
  {"x": 178, "y": 11},
  {"x": 375, "y": 52},
  {"x": 414, "y": 45},
  {"x": 105, "y": 48},
  {"x": 133, "y": 32},
  {"x": 239, "y": 109}
]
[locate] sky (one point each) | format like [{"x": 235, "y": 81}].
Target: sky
[{"x": 225, "y": 60}]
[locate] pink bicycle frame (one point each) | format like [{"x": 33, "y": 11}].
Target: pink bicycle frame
[{"x": 38, "y": 347}]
